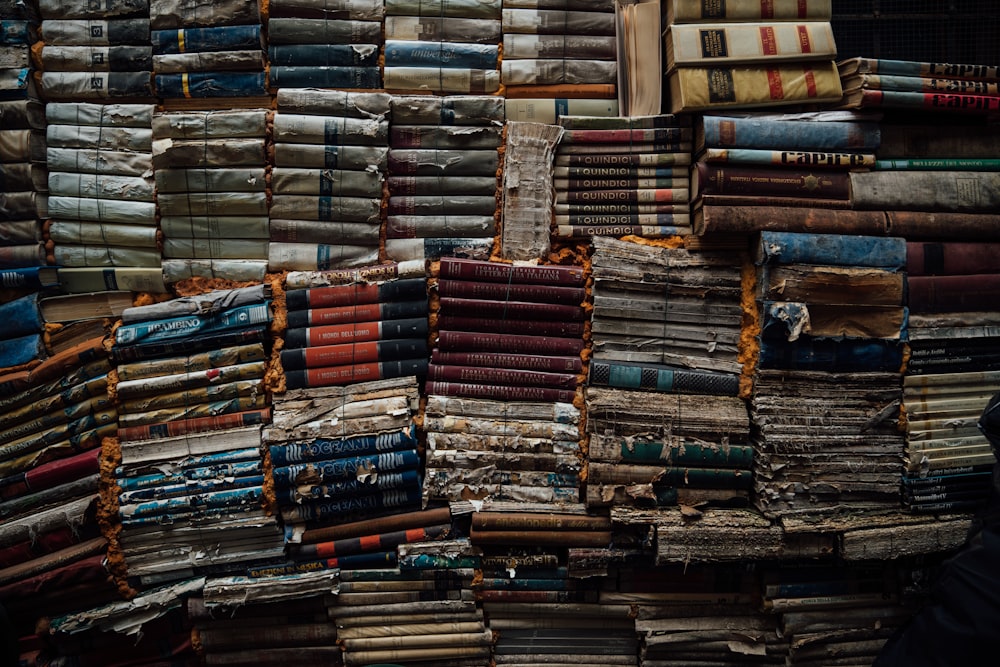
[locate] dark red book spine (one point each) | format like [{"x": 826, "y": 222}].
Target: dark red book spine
[
  {"x": 491, "y": 324},
  {"x": 938, "y": 294},
  {"x": 499, "y": 392},
  {"x": 356, "y": 293},
  {"x": 469, "y": 269},
  {"x": 467, "y": 341},
  {"x": 195, "y": 425},
  {"x": 551, "y": 364},
  {"x": 469, "y": 289},
  {"x": 721, "y": 179},
  {"x": 951, "y": 258},
  {"x": 501, "y": 376},
  {"x": 341, "y": 375},
  {"x": 528, "y": 310}
]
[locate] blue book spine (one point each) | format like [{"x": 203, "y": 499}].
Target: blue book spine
[
  {"x": 323, "y": 449},
  {"x": 335, "y": 509},
  {"x": 340, "y": 469},
  {"x": 306, "y": 493},
  {"x": 19, "y": 89},
  {"x": 182, "y": 327},
  {"x": 21, "y": 317},
  {"x": 834, "y": 249},
  {"x": 222, "y": 38},
  {"x": 214, "y": 471},
  {"x": 834, "y": 355},
  {"x": 199, "y": 487},
  {"x": 207, "y": 501},
  {"x": 325, "y": 77},
  {"x": 326, "y": 55},
  {"x": 403, "y": 53},
  {"x": 211, "y": 84},
  {"x": 21, "y": 350},
  {"x": 733, "y": 132},
  {"x": 15, "y": 31}
]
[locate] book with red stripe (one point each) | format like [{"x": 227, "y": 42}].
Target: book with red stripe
[
  {"x": 356, "y": 332},
  {"x": 341, "y": 375},
  {"x": 469, "y": 289},
  {"x": 513, "y": 309},
  {"x": 465, "y": 341},
  {"x": 352, "y": 353},
  {"x": 530, "y": 362},
  {"x": 500, "y": 376},
  {"x": 346, "y": 295},
  {"x": 500, "y": 272},
  {"x": 366, "y": 312}
]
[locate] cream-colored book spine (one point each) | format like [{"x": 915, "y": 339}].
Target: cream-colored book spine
[{"x": 701, "y": 44}]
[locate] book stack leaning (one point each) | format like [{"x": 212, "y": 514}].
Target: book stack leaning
[{"x": 188, "y": 476}]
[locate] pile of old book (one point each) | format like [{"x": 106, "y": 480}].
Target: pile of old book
[
  {"x": 326, "y": 185},
  {"x": 189, "y": 478},
  {"x": 100, "y": 180},
  {"x": 951, "y": 373},
  {"x": 211, "y": 193},
  {"x": 341, "y": 334},
  {"x": 623, "y": 176},
  {"x": 745, "y": 54},
  {"x": 340, "y": 454},
  {"x": 880, "y": 83},
  {"x": 559, "y": 49},
  {"x": 95, "y": 51},
  {"x": 439, "y": 46},
  {"x": 826, "y": 390},
  {"x": 316, "y": 44},
  {"x": 51, "y": 548},
  {"x": 443, "y": 167},
  {"x": 502, "y": 381},
  {"x": 207, "y": 52},
  {"x": 782, "y": 172},
  {"x": 22, "y": 151}
]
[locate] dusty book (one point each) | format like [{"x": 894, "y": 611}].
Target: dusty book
[
  {"x": 698, "y": 44},
  {"x": 702, "y": 88},
  {"x": 706, "y": 11}
]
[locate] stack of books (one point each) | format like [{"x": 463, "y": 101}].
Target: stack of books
[
  {"x": 341, "y": 334},
  {"x": 559, "y": 49},
  {"x": 191, "y": 399},
  {"x": 442, "y": 46},
  {"x": 880, "y": 83},
  {"x": 101, "y": 187},
  {"x": 210, "y": 51},
  {"x": 527, "y": 191},
  {"x": 326, "y": 186},
  {"x": 443, "y": 168},
  {"x": 94, "y": 52},
  {"x": 319, "y": 44},
  {"x": 424, "y": 611},
  {"x": 745, "y": 54},
  {"x": 271, "y": 633},
  {"x": 651, "y": 307},
  {"x": 832, "y": 329},
  {"x": 685, "y": 614},
  {"x": 623, "y": 176},
  {"x": 951, "y": 373},
  {"x": 343, "y": 454},
  {"x": 22, "y": 150},
  {"x": 653, "y": 450},
  {"x": 52, "y": 420},
  {"x": 211, "y": 193}
]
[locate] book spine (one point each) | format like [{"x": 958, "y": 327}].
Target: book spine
[
  {"x": 629, "y": 376},
  {"x": 196, "y": 425},
  {"x": 552, "y": 364},
  {"x": 716, "y": 179},
  {"x": 172, "y": 328},
  {"x": 462, "y": 341},
  {"x": 452, "y": 54},
  {"x": 698, "y": 11},
  {"x": 701, "y": 44},
  {"x": 844, "y": 250},
  {"x": 659, "y": 135},
  {"x": 952, "y": 293},
  {"x": 352, "y": 354},
  {"x": 222, "y": 38},
  {"x": 330, "y": 448},
  {"x": 356, "y": 332},
  {"x": 368, "y": 312},
  {"x": 629, "y": 195},
  {"x": 377, "y": 542},
  {"x": 946, "y": 102},
  {"x": 340, "y": 375},
  {"x": 788, "y": 135},
  {"x": 500, "y": 376},
  {"x": 646, "y": 231},
  {"x": 339, "y": 508},
  {"x": 930, "y": 258},
  {"x": 145, "y": 351},
  {"x": 347, "y": 295},
  {"x": 792, "y": 158},
  {"x": 564, "y": 329},
  {"x": 499, "y": 392},
  {"x": 513, "y": 309},
  {"x": 467, "y": 289},
  {"x": 746, "y": 219},
  {"x": 486, "y": 520},
  {"x": 455, "y": 268}
]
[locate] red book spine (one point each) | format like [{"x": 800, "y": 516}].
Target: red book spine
[
  {"x": 636, "y": 196},
  {"x": 380, "y": 542},
  {"x": 469, "y": 269},
  {"x": 531, "y": 362},
  {"x": 721, "y": 179},
  {"x": 62, "y": 471},
  {"x": 195, "y": 425},
  {"x": 469, "y": 289},
  {"x": 499, "y": 392},
  {"x": 951, "y": 258},
  {"x": 930, "y": 294},
  {"x": 492, "y": 324},
  {"x": 357, "y": 332},
  {"x": 341, "y": 314},
  {"x": 350, "y": 354},
  {"x": 465, "y": 341},
  {"x": 341, "y": 375},
  {"x": 528, "y": 310},
  {"x": 501, "y": 376},
  {"x": 42, "y": 544},
  {"x": 341, "y": 295}
]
